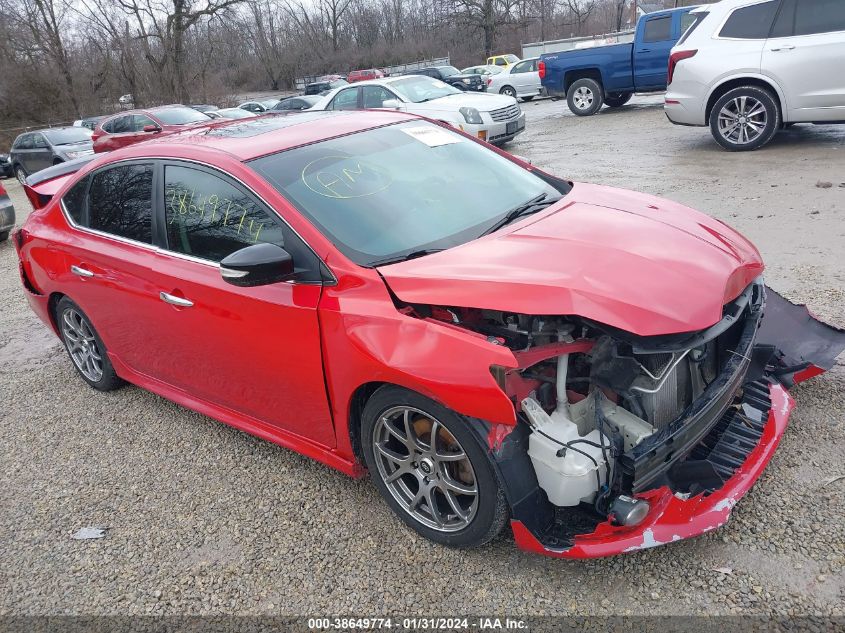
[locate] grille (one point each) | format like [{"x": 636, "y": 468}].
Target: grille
[{"x": 506, "y": 114}]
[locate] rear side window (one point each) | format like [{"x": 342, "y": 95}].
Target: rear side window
[
  {"x": 751, "y": 23},
  {"x": 74, "y": 201},
  {"x": 120, "y": 202},
  {"x": 658, "y": 29},
  {"x": 819, "y": 16},
  {"x": 690, "y": 22}
]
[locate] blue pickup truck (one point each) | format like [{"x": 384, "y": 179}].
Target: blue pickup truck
[{"x": 592, "y": 77}]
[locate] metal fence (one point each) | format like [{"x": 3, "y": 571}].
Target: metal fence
[
  {"x": 301, "y": 82},
  {"x": 535, "y": 49}
]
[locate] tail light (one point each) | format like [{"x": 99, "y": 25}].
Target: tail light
[
  {"x": 489, "y": 80},
  {"x": 674, "y": 58},
  {"x": 541, "y": 68}
]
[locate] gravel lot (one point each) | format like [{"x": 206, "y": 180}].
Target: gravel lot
[{"x": 205, "y": 519}]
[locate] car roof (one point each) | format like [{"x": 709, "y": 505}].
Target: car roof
[{"x": 246, "y": 139}]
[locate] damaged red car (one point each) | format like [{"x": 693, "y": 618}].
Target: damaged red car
[{"x": 603, "y": 370}]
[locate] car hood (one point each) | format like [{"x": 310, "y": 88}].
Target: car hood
[
  {"x": 629, "y": 260},
  {"x": 79, "y": 146},
  {"x": 481, "y": 101}
]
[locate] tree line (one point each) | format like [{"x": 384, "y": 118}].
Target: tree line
[{"x": 64, "y": 59}]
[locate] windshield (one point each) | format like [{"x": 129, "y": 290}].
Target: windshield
[
  {"x": 388, "y": 192},
  {"x": 417, "y": 88},
  {"x": 68, "y": 135},
  {"x": 179, "y": 116},
  {"x": 448, "y": 71},
  {"x": 235, "y": 113},
  {"x": 512, "y": 59}
]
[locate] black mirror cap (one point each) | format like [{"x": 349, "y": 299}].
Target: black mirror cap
[{"x": 257, "y": 265}]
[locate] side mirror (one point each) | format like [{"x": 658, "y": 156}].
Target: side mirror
[
  {"x": 257, "y": 265},
  {"x": 393, "y": 104},
  {"x": 152, "y": 128}
]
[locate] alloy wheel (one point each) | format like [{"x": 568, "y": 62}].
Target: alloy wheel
[
  {"x": 742, "y": 120},
  {"x": 583, "y": 98},
  {"x": 20, "y": 174},
  {"x": 425, "y": 469},
  {"x": 82, "y": 345}
]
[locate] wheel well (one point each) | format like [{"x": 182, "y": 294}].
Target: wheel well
[
  {"x": 52, "y": 302},
  {"x": 356, "y": 410},
  {"x": 585, "y": 73},
  {"x": 736, "y": 83}
]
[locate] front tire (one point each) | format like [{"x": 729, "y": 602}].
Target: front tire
[
  {"x": 745, "y": 119},
  {"x": 508, "y": 91},
  {"x": 431, "y": 469},
  {"x": 617, "y": 99},
  {"x": 85, "y": 347},
  {"x": 585, "y": 97},
  {"x": 4, "y": 235}
]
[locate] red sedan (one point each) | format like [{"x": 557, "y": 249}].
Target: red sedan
[
  {"x": 491, "y": 342},
  {"x": 134, "y": 126}
]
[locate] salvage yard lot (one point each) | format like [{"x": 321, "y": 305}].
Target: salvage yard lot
[{"x": 203, "y": 518}]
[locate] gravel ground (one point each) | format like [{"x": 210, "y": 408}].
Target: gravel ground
[{"x": 204, "y": 519}]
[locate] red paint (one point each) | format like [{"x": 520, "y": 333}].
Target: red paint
[
  {"x": 671, "y": 518},
  {"x": 106, "y": 142},
  {"x": 497, "y": 435},
  {"x": 629, "y": 260},
  {"x": 805, "y": 374}
]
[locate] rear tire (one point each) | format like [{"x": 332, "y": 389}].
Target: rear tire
[
  {"x": 617, "y": 99},
  {"x": 508, "y": 91},
  {"x": 85, "y": 347},
  {"x": 20, "y": 174},
  {"x": 585, "y": 97},
  {"x": 421, "y": 454},
  {"x": 745, "y": 119},
  {"x": 4, "y": 235}
]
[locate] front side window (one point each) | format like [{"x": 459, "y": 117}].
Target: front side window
[
  {"x": 209, "y": 218},
  {"x": 375, "y": 96},
  {"x": 345, "y": 100},
  {"x": 751, "y": 23},
  {"x": 387, "y": 192},
  {"x": 38, "y": 141},
  {"x": 140, "y": 121},
  {"x": 521, "y": 67},
  {"x": 120, "y": 202},
  {"x": 658, "y": 29}
]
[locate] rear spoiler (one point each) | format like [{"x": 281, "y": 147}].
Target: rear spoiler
[{"x": 41, "y": 186}]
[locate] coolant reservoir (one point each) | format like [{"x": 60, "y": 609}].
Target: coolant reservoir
[{"x": 570, "y": 478}]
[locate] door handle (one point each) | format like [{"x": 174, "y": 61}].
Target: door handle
[
  {"x": 76, "y": 270},
  {"x": 175, "y": 301},
  {"x": 644, "y": 50},
  {"x": 784, "y": 47}
]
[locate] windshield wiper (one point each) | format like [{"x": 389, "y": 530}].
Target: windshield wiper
[
  {"x": 395, "y": 259},
  {"x": 532, "y": 206}
]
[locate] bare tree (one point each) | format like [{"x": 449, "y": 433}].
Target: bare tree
[{"x": 488, "y": 16}]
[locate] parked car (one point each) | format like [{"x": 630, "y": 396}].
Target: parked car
[
  {"x": 231, "y": 113},
  {"x": 127, "y": 99},
  {"x": 502, "y": 60},
  {"x": 364, "y": 75},
  {"x": 33, "y": 151},
  {"x": 323, "y": 87},
  {"x": 496, "y": 119},
  {"x": 6, "y": 168},
  {"x": 134, "y": 126},
  {"x": 520, "y": 80},
  {"x": 592, "y": 77},
  {"x": 7, "y": 214},
  {"x": 487, "y": 71},
  {"x": 296, "y": 104},
  {"x": 259, "y": 107},
  {"x": 204, "y": 108},
  {"x": 749, "y": 69},
  {"x": 453, "y": 77},
  {"x": 490, "y": 341},
  {"x": 89, "y": 122}
]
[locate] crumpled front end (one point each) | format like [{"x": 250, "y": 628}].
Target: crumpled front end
[{"x": 624, "y": 442}]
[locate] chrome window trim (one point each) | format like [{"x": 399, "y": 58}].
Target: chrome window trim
[{"x": 164, "y": 251}]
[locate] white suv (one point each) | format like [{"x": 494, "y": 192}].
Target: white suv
[{"x": 747, "y": 68}]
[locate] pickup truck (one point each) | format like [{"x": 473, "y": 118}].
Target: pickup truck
[{"x": 610, "y": 74}]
